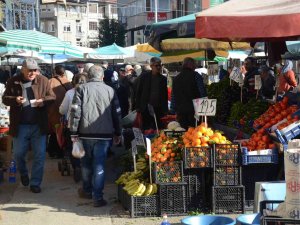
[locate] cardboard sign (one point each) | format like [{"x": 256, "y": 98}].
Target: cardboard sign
[
  {"x": 148, "y": 143},
  {"x": 235, "y": 74},
  {"x": 138, "y": 136},
  {"x": 257, "y": 84},
  {"x": 133, "y": 147},
  {"x": 205, "y": 107},
  {"x": 241, "y": 80}
]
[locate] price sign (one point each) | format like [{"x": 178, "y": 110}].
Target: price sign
[
  {"x": 133, "y": 147},
  {"x": 148, "y": 143},
  {"x": 235, "y": 74},
  {"x": 257, "y": 84},
  {"x": 205, "y": 107},
  {"x": 138, "y": 136},
  {"x": 241, "y": 80}
]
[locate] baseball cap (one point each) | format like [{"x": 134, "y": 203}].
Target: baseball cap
[
  {"x": 30, "y": 64},
  {"x": 128, "y": 67}
]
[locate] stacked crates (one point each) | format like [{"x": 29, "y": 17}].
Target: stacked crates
[{"x": 228, "y": 194}]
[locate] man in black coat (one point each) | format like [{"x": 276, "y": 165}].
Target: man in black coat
[{"x": 152, "y": 89}]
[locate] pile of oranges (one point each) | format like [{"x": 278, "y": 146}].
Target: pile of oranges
[
  {"x": 202, "y": 136},
  {"x": 164, "y": 148}
]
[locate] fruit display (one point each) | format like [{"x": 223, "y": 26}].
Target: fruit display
[
  {"x": 165, "y": 148},
  {"x": 258, "y": 141},
  {"x": 289, "y": 120},
  {"x": 168, "y": 172},
  {"x": 197, "y": 157},
  {"x": 275, "y": 114},
  {"x": 203, "y": 136}
]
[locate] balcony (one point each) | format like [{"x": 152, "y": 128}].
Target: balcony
[{"x": 79, "y": 34}]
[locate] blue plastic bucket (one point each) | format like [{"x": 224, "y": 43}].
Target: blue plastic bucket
[
  {"x": 248, "y": 219},
  {"x": 208, "y": 220}
]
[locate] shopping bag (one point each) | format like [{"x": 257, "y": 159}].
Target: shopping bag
[
  {"x": 78, "y": 150},
  {"x": 60, "y": 135},
  {"x": 138, "y": 120}
]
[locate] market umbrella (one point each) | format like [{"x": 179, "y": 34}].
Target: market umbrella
[
  {"x": 183, "y": 26},
  {"x": 255, "y": 20},
  {"x": 137, "y": 57},
  {"x": 110, "y": 52}
]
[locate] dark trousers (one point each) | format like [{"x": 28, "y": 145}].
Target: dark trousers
[
  {"x": 148, "y": 121},
  {"x": 186, "y": 120}
]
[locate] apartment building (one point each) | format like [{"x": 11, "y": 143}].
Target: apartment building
[
  {"x": 21, "y": 14},
  {"x": 138, "y": 15},
  {"x": 76, "y": 22}
]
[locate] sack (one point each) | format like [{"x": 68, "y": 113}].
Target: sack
[
  {"x": 138, "y": 120},
  {"x": 60, "y": 135},
  {"x": 78, "y": 150}
]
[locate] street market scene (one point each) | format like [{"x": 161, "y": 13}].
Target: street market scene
[{"x": 121, "y": 112}]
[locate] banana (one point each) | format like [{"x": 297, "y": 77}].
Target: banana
[
  {"x": 148, "y": 190},
  {"x": 142, "y": 191},
  {"x": 139, "y": 189},
  {"x": 154, "y": 190},
  {"x": 141, "y": 160}
]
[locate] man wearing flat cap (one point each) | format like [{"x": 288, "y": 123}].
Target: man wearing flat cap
[{"x": 28, "y": 95}]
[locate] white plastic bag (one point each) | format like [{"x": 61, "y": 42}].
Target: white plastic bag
[{"x": 78, "y": 150}]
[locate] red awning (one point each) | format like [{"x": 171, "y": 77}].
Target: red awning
[{"x": 250, "y": 20}]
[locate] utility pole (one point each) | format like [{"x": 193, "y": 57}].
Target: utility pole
[{"x": 155, "y": 9}]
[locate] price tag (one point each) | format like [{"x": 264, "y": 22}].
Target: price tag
[
  {"x": 138, "y": 136},
  {"x": 133, "y": 147},
  {"x": 205, "y": 107},
  {"x": 148, "y": 143},
  {"x": 235, "y": 74},
  {"x": 241, "y": 80},
  {"x": 257, "y": 84}
]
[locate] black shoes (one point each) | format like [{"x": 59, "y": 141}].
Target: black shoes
[
  {"x": 83, "y": 194},
  {"x": 100, "y": 203},
  {"x": 25, "y": 180},
  {"x": 35, "y": 189}
]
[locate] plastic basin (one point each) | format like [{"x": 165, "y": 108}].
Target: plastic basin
[
  {"x": 248, "y": 219},
  {"x": 208, "y": 220}
]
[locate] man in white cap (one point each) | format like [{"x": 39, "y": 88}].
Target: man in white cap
[{"x": 28, "y": 94}]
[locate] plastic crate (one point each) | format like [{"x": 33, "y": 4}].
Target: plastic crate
[
  {"x": 249, "y": 205},
  {"x": 197, "y": 157},
  {"x": 173, "y": 199},
  {"x": 227, "y": 176},
  {"x": 168, "y": 172},
  {"x": 228, "y": 199},
  {"x": 123, "y": 197},
  {"x": 144, "y": 206},
  {"x": 194, "y": 194},
  {"x": 287, "y": 134},
  {"x": 173, "y": 133},
  {"x": 271, "y": 157},
  {"x": 227, "y": 155}
]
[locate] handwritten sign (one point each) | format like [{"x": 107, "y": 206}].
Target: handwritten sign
[
  {"x": 133, "y": 147},
  {"x": 138, "y": 136},
  {"x": 235, "y": 74},
  {"x": 148, "y": 143},
  {"x": 205, "y": 107},
  {"x": 257, "y": 80},
  {"x": 241, "y": 80}
]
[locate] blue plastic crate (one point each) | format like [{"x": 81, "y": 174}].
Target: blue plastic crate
[
  {"x": 254, "y": 159},
  {"x": 285, "y": 137}
]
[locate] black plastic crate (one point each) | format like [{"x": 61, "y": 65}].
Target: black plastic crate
[
  {"x": 276, "y": 220},
  {"x": 144, "y": 206},
  {"x": 228, "y": 199},
  {"x": 123, "y": 197},
  {"x": 227, "y": 155},
  {"x": 249, "y": 205},
  {"x": 173, "y": 199},
  {"x": 227, "y": 176},
  {"x": 194, "y": 192},
  {"x": 197, "y": 157},
  {"x": 168, "y": 172}
]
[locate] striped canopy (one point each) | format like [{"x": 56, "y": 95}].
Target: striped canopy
[
  {"x": 37, "y": 41},
  {"x": 113, "y": 51}
]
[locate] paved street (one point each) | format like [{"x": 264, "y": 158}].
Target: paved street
[{"x": 59, "y": 204}]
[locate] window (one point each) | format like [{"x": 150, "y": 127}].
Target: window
[
  {"x": 93, "y": 8},
  {"x": 79, "y": 43},
  {"x": 93, "y": 26},
  {"x": 67, "y": 27},
  {"x": 42, "y": 27},
  {"x": 78, "y": 27},
  {"x": 83, "y": 9},
  {"x": 51, "y": 26}
]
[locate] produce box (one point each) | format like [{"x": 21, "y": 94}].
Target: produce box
[
  {"x": 194, "y": 193},
  {"x": 173, "y": 199},
  {"x": 174, "y": 133},
  {"x": 260, "y": 156},
  {"x": 227, "y": 176},
  {"x": 228, "y": 199},
  {"x": 197, "y": 157},
  {"x": 288, "y": 133},
  {"x": 168, "y": 172},
  {"x": 227, "y": 155}
]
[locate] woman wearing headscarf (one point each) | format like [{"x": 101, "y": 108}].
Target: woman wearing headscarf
[{"x": 287, "y": 79}]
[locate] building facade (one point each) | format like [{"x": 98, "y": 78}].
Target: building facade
[
  {"x": 76, "y": 22},
  {"x": 138, "y": 15}
]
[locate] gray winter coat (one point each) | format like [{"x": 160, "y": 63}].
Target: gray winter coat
[{"x": 95, "y": 111}]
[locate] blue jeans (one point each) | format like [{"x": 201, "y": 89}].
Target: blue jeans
[
  {"x": 93, "y": 165},
  {"x": 29, "y": 135}
]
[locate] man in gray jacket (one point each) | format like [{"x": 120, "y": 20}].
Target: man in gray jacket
[{"x": 95, "y": 119}]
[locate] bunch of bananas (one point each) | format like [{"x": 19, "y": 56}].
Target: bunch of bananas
[
  {"x": 128, "y": 176},
  {"x": 137, "y": 188},
  {"x": 141, "y": 164}
]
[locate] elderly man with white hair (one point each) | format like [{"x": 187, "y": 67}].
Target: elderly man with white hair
[{"x": 95, "y": 119}]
